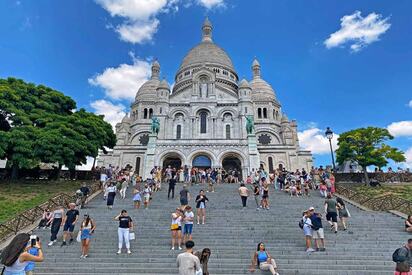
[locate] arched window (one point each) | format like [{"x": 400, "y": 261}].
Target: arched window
[
  {"x": 265, "y": 113},
  {"x": 227, "y": 131},
  {"x": 203, "y": 122},
  {"x": 145, "y": 113},
  {"x": 150, "y": 113},
  {"x": 270, "y": 160},
  {"x": 259, "y": 113},
  {"x": 178, "y": 132}
]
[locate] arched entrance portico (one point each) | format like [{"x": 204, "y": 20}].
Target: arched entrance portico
[
  {"x": 202, "y": 161},
  {"x": 232, "y": 162},
  {"x": 173, "y": 160}
]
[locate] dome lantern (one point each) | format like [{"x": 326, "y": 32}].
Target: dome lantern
[
  {"x": 256, "y": 68},
  {"x": 207, "y": 31},
  {"x": 155, "y": 70}
]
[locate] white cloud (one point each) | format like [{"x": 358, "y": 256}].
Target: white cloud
[
  {"x": 358, "y": 31},
  {"x": 410, "y": 104},
  {"x": 140, "y": 22},
  {"x": 210, "y": 4},
  {"x": 123, "y": 81},
  {"x": 401, "y": 128},
  {"x": 112, "y": 113},
  {"x": 314, "y": 140},
  {"x": 408, "y": 156}
]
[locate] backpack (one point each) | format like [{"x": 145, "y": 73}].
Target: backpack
[
  {"x": 398, "y": 256},
  {"x": 301, "y": 224}
]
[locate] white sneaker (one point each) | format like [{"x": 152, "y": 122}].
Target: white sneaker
[
  {"x": 173, "y": 248},
  {"x": 119, "y": 252},
  {"x": 82, "y": 256},
  {"x": 180, "y": 248},
  {"x": 129, "y": 252},
  {"x": 310, "y": 250},
  {"x": 55, "y": 241},
  {"x": 51, "y": 243},
  {"x": 198, "y": 223}
]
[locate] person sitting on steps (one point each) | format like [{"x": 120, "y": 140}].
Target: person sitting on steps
[
  {"x": 262, "y": 259},
  {"x": 408, "y": 224}
]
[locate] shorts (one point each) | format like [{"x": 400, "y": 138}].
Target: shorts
[
  {"x": 178, "y": 229},
  {"x": 184, "y": 202},
  {"x": 68, "y": 227},
  {"x": 307, "y": 231},
  {"x": 187, "y": 229},
  {"x": 332, "y": 216},
  {"x": 318, "y": 234}
]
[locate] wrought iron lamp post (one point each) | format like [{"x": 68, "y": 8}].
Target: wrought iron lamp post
[{"x": 329, "y": 136}]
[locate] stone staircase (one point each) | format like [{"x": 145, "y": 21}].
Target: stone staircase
[{"x": 232, "y": 235}]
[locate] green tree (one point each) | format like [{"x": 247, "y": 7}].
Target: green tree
[
  {"x": 367, "y": 146},
  {"x": 39, "y": 124}
]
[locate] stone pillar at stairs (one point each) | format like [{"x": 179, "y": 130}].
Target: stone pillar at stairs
[
  {"x": 149, "y": 156},
  {"x": 254, "y": 158}
]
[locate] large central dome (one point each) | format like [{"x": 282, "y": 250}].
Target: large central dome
[{"x": 207, "y": 52}]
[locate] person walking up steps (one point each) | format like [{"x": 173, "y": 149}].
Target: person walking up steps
[
  {"x": 262, "y": 259},
  {"x": 201, "y": 200},
  {"x": 71, "y": 217},
  {"x": 188, "y": 221},
  {"x": 188, "y": 263},
  {"x": 256, "y": 193},
  {"x": 243, "y": 193},
  {"x": 184, "y": 196},
  {"x": 86, "y": 230},
  {"x": 172, "y": 184},
  {"x": 331, "y": 212},
  {"x": 123, "y": 232},
  {"x": 176, "y": 228},
  {"x": 343, "y": 212}
]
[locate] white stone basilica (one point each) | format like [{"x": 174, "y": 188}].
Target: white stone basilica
[{"x": 203, "y": 119}]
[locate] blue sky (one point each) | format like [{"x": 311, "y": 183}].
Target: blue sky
[{"x": 91, "y": 50}]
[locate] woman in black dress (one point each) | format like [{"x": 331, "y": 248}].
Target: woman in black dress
[{"x": 111, "y": 193}]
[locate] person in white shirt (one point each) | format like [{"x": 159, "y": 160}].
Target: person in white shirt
[
  {"x": 188, "y": 221},
  {"x": 307, "y": 230}
]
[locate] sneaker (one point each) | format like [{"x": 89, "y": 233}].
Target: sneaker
[
  {"x": 310, "y": 250},
  {"x": 173, "y": 248},
  {"x": 71, "y": 241},
  {"x": 82, "y": 256},
  {"x": 257, "y": 209},
  {"x": 119, "y": 252},
  {"x": 198, "y": 223},
  {"x": 63, "y": 243},
  {"x": 55, "y": 241},
  {"x": 317, "y": 249},
  {"x": 180, "y": 248},
  {"x": 336, "y": 231},
  {"x": 203, "y": 223},
  {"x": 129, "y": 252},
  {"x": 322, "y": 249},
  {"x": 51, "y": 243},
  {"x": 85, "y": 256}
]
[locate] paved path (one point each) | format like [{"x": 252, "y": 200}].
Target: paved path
[{"x": 232, "y": 235}]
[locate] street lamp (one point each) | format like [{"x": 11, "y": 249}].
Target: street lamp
[{"x": 329, "y": 136}]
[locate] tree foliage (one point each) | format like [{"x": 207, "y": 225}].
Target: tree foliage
[
  {"x": 367, "y": 146},
  {"x": 39, "y": 124}
]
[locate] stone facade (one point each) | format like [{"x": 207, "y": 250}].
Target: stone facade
[{"x": 205, "y": 115}]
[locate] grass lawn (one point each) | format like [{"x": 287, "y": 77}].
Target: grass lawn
[
  {"x": 17, "y": 197},
  {"x": 403, "y": 191}
]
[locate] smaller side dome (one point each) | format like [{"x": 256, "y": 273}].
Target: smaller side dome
[
  {"x": 244, "y": 84},
  {"x": 126, "y": 119},
  {"x": 284, "y": 118},
  {"x": 164, "y": 85}
]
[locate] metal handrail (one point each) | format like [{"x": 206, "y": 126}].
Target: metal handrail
[
  {"x": 381, "y": 203},
  {"x": 28, "y": 217}
]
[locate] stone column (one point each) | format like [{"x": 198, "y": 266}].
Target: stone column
[
  {"x": 149, "y": 156},
  {"x": 254, "y": 158}
]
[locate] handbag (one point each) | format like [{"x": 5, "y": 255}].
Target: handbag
[
  {"x": 79, "y": 236},
  {"x": 199, "y": 272},
  {"x": 132, "y": 236},
  {"x": 174, "y": 226}
]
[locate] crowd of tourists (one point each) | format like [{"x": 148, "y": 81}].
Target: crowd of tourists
[{"x": 25, "y": 250}]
